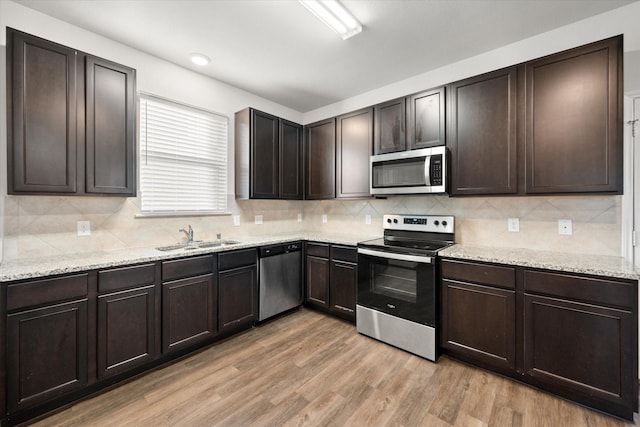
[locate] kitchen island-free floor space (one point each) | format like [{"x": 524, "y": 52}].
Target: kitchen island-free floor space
[{"x": 309, "y": 369}]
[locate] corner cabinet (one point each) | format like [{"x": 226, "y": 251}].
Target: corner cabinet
[
  {"x": 570, "y": 334},
  {"x": 268, "y": 155},
  {"x": 320, "y": 160},
  {"x": 70, "y": 121}
]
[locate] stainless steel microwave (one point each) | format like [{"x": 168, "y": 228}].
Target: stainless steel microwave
[{"x": 409, "y": 172}]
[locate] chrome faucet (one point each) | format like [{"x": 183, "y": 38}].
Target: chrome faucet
[{"x": 189, "y": 234}]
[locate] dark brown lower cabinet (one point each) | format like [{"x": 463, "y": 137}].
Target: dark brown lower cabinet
[
  {"x": 237, "y": 287},
  {"x": 479, "y": 323},
  {"x": 317, "y": 281},
  {"x": 331, "y": 278},
  {"x": 344, "y": 281},
  {"x": 48, "y": 356},
  {"x": 126, "y": 330},
  {"x": 573, "y": 335},
  {"x": 189, "y": 314}
]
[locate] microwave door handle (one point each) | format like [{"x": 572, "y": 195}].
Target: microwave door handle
[
  {"x": 427, "y": 169},
  {"x": 399, "y": 257}
]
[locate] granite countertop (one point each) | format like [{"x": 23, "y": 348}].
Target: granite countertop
[
  {"x": 64, "y": 264},
  {"x": 72, "y": 263},
  {"x": 599, "y": 265}
]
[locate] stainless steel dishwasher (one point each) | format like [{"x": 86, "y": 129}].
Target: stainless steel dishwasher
[{"x": 280, "y": 279}]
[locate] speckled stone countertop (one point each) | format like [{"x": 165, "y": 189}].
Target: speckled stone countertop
[
  {"x": 599, "y": 265},
  {"x": 65, "y": 264}
]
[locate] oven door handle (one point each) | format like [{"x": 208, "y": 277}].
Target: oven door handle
[{"x": 399, "y": 257}]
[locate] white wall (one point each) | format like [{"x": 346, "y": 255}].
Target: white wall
[{"x": 625, "y": 20}]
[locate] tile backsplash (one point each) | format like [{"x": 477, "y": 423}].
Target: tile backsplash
[{"x": 43, "y": 225}]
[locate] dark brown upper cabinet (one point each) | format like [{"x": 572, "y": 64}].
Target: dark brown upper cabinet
[
  {"x": 41, "y": 140},
  {"x": 110, "y": 127},
  {"x": 574, "y": 120},
  {"x": 482, "y": 134},
  {"x": 320, "y": 160},
  {"x": 390, "y": 121},
  {"x": 549, "y": 126},
  {"x": 268, "y": 156},
  {"x": 71, "y": 121},
  {"x": 354, "y": 137},
  {"x": 291, "y": 176},
  {"x": 426, "y": 119}
]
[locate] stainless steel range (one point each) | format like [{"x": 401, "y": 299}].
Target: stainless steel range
[{"x": 397, "y": 282}]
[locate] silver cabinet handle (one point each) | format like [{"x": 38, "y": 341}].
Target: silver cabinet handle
[{"x": 399, "y": 257}]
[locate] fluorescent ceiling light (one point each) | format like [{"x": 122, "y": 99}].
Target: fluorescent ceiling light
[
  {"x": 200, "y": 59},
  {"x": 333, "y": 14}
]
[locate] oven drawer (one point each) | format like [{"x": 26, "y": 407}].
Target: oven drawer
[{"x": 486, "y": 274}]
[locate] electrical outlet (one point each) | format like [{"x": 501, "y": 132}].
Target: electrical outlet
[
  {"x": 513, "y": 225},
  {"x": 258, "y": 219},
  {"x": 565, "y": 227},
  {"x": 324, "y": 218},
  {"x": 299, "y": 217},
  {"x": 84, "y": 228},
  {"x": 367, "y": 219},
  {"x": 236, "y": 220}
]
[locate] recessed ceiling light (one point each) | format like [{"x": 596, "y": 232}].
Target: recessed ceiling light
[
  {"x": 334, "y": 15},
  {"x": 200, "y": 59}
]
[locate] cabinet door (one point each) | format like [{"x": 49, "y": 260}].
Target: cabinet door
[
  {"x": 581, "y": 351},
  {"x": 318, "y": 274},
  {"x": 478, "y": 324},
  {"x": 320, "y": 155},
  {"x": 574, "y": 120},
  {"x": 354, "y": 139},
  {"x": 236, "y": 297},
  {"x": 110, "y": 128},
  {"x": 389, "y": 133},
  {"x": 264, "y": 155},
  {"x": 48, "y": 356},
  {"x": 342, "y": 291},
  {"x": 42, "y": 116},
  {"x": 126, "y": 330},
  {"x": 290, "y": 160},
  {"x": 482, "y": 134},
  {"x": 425, "y": 119},
  {"x": 189, "y": 312}
]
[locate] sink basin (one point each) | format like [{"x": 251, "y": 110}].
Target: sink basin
[
  {"x": 197, "y": 245},
  {"x": 217, "y": 243}
]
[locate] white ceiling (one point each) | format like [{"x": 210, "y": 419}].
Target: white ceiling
[{"x": 278, "y": 50}]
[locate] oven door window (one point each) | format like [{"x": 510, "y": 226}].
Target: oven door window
[
  {"x": 395, "y": 279},
  {"x": 401, "y": 288}
]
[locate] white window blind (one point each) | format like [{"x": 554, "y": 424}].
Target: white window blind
[{"x": 183, "y": 158}]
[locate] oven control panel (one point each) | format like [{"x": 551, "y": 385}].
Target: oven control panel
[{"x": 430, "y": 223}]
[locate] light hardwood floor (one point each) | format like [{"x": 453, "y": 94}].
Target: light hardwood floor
[{"x": 309, "y": 369}]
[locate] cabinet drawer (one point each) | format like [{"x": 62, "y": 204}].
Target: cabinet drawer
[
  {"x": 501, "y": 276},
  {"x": 344, "y": 253},
  {"x": 127, "y": 277},
  {"x": 235, "y": 259},
  {"x": 46, "y": 291},
  {"x": 599, "y": 291},
  {"x": 187, "y": 267},
  {"x": 318, "y": 249}
]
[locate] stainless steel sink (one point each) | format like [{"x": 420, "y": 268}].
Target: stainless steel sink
[{"x": 197, "y": 245}]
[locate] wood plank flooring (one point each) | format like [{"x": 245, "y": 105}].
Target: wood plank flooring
[{"x": 309, "y": 369}]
